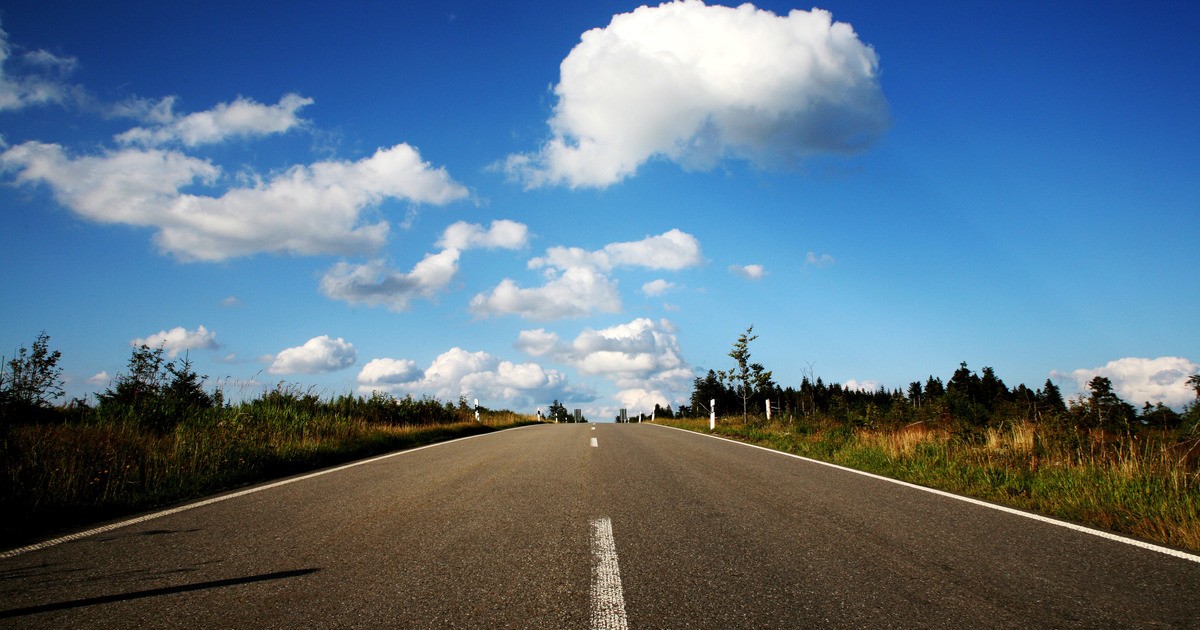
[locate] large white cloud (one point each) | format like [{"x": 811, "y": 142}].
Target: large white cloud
[
  {"x": 459, "y": 372},
  {"x": 577, "y": 283},
  {"x": 695, "y": 84},
  {"x": 179, "y": 339},
  {"x": 1140, "y": 380},
  {"x": 642, "y": 358},
  {"x": 241, "y": 118},
  {"x": 319, "y": 208},
  {"x": 317, "y": 355},
  {"x": 374, "y": 284}
]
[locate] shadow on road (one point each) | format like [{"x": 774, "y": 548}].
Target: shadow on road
[{"x": 155, "y": 592}]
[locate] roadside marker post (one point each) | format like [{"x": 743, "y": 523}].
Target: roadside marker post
[
  {"x": 712, "y": 414},
  {"x": 476, "y": 410},
  {"x": 768, "y": 409}
]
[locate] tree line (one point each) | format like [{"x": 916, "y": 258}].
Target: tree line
[
  {"x": 157, "y": 395},
  {"x": 968, "y": 397}
]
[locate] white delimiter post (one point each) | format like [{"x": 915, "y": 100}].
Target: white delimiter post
[
  {"x": 768, "y": 410},
  {"x": 476, "y": 410},
  {"x": 712, "y": 414}
]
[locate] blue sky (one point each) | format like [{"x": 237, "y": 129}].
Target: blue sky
[{"x": 477, "y": 199}]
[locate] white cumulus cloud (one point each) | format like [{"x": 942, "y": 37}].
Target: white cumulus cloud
[
  {"x": 1140, "y": 380},
  {"x": 696, "y": 84},
  {"x": 317, "y": 355},
  {"x": 502, "y": 234},
  {"x": 576, "y": 292},
  {"x": 241, "y": 118},
  {"x": 749, "y": 272},
  {"x": 657, "y": 287},
  {"x": 577, "y": 280},
  {"x": 536, "y": 342},
  {"x": 672, "y": 250},
  {"x": 374, "y": 284},
  {"x": 179, "y": 339},
  {"x": 320, "y": 208},
  {"x": 388, "y": 372},
  {"x": 458, "y": 372},
  {"x": 642, "y": 358}
]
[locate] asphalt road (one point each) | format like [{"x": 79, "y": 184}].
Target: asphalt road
[{"x": 644, "y": 527}]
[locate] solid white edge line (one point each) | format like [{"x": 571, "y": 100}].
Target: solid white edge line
[
  {"x": 608, "y": 598},
  {"x": 11, "y": 553},
  {"x": 1002, "y": 508}
]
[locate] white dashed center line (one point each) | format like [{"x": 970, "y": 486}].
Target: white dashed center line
[
  {"x": 608, "y": 598},
  {"x": 594, "y": 442}
]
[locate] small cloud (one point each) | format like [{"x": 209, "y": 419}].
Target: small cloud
[
  {"x": 576, "y": 292},
  {"x": 179, "y": 339},
  {"x": 231, "y": 302},
  {"x": 241, "y": 118},
  {"x": 374, "y": 284},
  {"x": 862, "y": 386},
  {"x": 749, "y": 272},
  {"x": 316, "y": 356},
  {"x": 536, "y": 342},
  {"x": 388, "y": 372},
  {"x": 657, "y": 287},
  {"x": 820, "y": 262},
  {"x": 38, "y": 82},
  {"x": 99, "y": 378},
  {"x": 502, "y": 234}
]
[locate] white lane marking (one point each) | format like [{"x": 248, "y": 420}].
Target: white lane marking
[
  {"x": 593, "y": 428},
  {"x": 1183, "y": 555},
  {"x": 182, "y": 508},
  {"x": 608, "y": 598},
  {"x": 595, "y": 443}
]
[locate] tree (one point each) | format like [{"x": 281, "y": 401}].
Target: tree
[
  {"x": 747, "y": 378},
  {"x": 155, "y": 393},
  {"x": 32, "y": 381},
  {"x": 1106, "y": 408},
  {"x": 707, "y": 389},
  {"x": 915, "y": 394},
  {"x": 1050, "y": 398},
  {"x": 1191, "y": 413},
  {"x": 557, "y": 412}
]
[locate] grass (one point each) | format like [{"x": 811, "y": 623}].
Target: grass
[
  {"x": 1145, "y": 485},
  {"x": 63, "y": 475}
]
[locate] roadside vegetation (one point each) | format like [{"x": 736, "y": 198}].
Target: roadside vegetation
[
  {"x": 1094, "y": 460},
  {"x": 156, "y": 436}
]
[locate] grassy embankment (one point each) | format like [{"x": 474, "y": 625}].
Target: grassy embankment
[
  {"x": 1146, "y": 485},
  {"x": 60, "y": 475}
]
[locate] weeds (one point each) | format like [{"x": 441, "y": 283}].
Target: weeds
[{"x": 104, "y": 462}]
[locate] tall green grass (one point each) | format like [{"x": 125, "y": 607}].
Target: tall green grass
[
  {"x": 1145, "y": 485},
  {"x": 102, "y": 465}
]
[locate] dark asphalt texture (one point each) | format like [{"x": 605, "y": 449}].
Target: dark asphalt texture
[{"x": 494, "y": 532}]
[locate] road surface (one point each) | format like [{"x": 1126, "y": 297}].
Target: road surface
[{"x": 602, "y": 526}]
